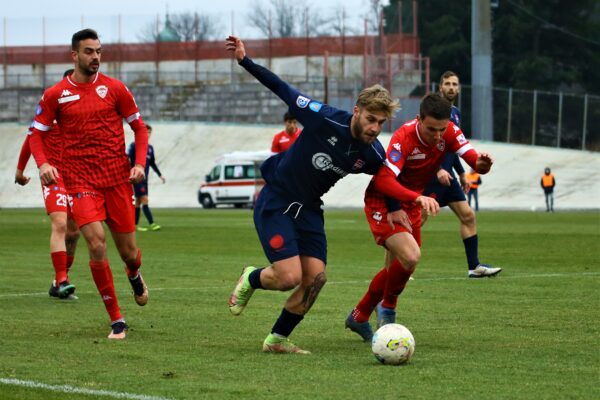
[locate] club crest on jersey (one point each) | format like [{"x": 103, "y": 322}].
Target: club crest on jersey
[
  {"x": 441, "y": 145},
  {"x": 358, "y": 165},
  {"x": 302, "y": 101},
  {"x": 102, "y": 91}
]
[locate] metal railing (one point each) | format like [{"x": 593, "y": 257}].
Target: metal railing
[{"x": 534, "y": 117}]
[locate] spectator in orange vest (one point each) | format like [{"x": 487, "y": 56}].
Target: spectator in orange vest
[
  {"x": 548, "y": 184},
  {"x": 474, "y": 180},
  {"x": 284, "y": 139}
]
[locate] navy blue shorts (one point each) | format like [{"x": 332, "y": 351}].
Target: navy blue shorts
[
  {"x": 289, "y": 229},
  {"x": 140, "y": 189},
  {"x": 445, "y": 194}
]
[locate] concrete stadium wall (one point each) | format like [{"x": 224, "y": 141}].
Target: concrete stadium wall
[{"x": 186, "y": 152}]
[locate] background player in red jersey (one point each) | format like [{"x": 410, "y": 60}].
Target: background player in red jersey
[
  {"x": 284, "y": 139},
  {"x": 413, "y": 157},
  {"x": 64, "y": 232},
  {"x": 98, "y": 177}
]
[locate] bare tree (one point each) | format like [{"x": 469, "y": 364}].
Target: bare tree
[
  {"x": 374, "y": 14},
  {"x": 189, "y": 26},
  {"x": 192, "y": 27},
  {"x": 338, "y": 23},
  {"x": 278, "y": 19},
  {"x": 149, "y": 33}
]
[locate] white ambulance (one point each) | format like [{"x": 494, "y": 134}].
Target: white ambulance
[{"x": 235, "y": 179}]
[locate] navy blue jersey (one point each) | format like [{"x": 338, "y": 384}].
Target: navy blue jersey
[
  {"x": 455, "y": 115},
  {"x": 324, "y": 153},
  {"x": 150, "y": 160}
]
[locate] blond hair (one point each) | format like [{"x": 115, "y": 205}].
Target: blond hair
[{"x": 376, "y": 98}]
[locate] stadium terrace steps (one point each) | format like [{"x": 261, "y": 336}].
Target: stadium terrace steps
[{"x": 186, "y": 152}]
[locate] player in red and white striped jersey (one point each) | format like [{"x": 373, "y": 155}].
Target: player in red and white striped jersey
[
  {"x": 414, "y": 155},
  {"x": 89, "y": 108}
]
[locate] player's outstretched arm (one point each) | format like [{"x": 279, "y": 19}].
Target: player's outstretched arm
[
  {"x": 285, "y": 92},
  {"x": 235, "y": 44}
]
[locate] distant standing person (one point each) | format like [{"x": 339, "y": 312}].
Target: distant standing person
[
  {"x": 548, "y": 182},
  {"x": 284, "y": 139},
  {"x": 141, "y": 189},
  {"x": 474, "y": 180}
]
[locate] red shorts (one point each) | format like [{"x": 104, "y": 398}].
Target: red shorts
[
  {"x": 113, "y": 205},
  {"x": 376, "y": 213},
  {"x": 56, "y": 198}
]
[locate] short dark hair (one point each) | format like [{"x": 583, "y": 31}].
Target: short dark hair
[
  {"x": 288, "y": 117},
  {"x": 68, "y": 72},
  {"x": 447, "y": 75},
  {"x": 82, "y": 35},
  {"x": 436, "y": 106},
  {"x": 148, "y": 126}
]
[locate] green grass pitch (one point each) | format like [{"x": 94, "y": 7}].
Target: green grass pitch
[{"x": 531, "y": 333}]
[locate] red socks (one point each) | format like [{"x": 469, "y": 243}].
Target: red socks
[
  {"x": 367, "y": 304},
  {"x": 133, "y": 267},
  {"x": 397, "y": 278},
  {"x": 104, "y": 283},
  {"x": 59, "y": 261}
]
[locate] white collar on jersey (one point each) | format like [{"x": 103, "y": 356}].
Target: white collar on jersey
[
  {"x": 75, "y": 83},
  {"x": 419, "y": 136}
]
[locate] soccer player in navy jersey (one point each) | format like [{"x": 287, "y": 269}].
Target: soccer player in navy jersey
[
  {"x": 449, "y": 191},
  {"x": 288, "y": 215},
  {"x": 141, "y": 189}
]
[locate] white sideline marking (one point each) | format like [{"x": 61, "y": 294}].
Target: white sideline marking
[
  {"x": 417, "y": 279},
  {"x": 72, "y": 389}
]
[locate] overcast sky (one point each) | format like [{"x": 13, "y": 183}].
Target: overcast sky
[{"x": 22, "y": 22}]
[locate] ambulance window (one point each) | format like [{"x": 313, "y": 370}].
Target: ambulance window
[{"x": 239, "y": 172}]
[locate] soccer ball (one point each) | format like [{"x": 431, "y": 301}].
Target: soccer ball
[{"x": 393, "y": 344}]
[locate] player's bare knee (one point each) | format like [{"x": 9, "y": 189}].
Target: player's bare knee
[
  {"x": 128, "y": 253},
  {"x": 59, "y": 227},
  {"x": 411, "y": 259},
  {"x": 288, "y": 280},
  {"x": 468, "y": 218},
  {"x": 97, "y": 248}
]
